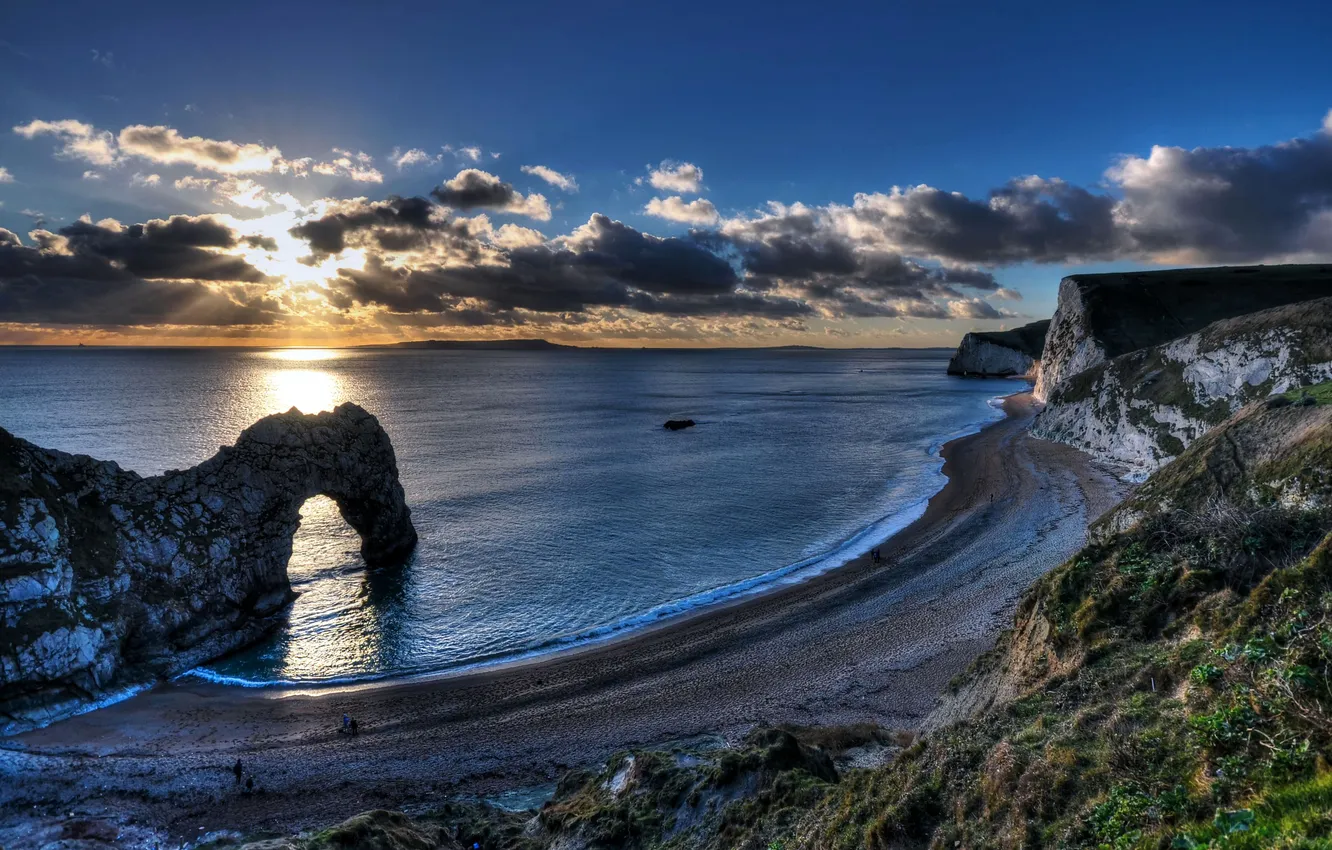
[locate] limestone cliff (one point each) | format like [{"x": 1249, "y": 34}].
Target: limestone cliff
[
  {"x": 1099, "y": 317},
  {"x": 1143, "y": 408},
  {"x": 109, "y": 579},
  {"x": 1000, "y": 354}
]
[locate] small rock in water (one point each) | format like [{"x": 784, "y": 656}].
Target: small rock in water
[{"x": 677, "y": 424}]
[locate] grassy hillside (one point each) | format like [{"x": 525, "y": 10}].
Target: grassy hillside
[{"x": 1168, "y": 687}]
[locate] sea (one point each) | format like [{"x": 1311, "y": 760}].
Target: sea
[{"x": 552, "y": 506}]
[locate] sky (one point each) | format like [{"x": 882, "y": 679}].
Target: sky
[{"x": 682, "y": 174}]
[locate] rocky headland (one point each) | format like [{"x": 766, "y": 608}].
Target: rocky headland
[
  {"x": 1000, "y": 354},
  {"x": 1137, "y": 365},
  {"x": 110, "y": 580},
  {"x": 1100, "y": 316}
]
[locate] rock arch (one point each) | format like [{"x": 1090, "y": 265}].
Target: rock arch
[{"x": 109, "y": 579}]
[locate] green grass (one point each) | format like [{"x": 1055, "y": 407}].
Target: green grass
[
  {"x": 1292, "y": 817},
  {"x": 1321, "y": 393}
]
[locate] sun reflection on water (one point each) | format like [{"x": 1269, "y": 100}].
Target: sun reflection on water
[
  {"x": 307, "y": 390},
  {"x": 303, "y": 354}
]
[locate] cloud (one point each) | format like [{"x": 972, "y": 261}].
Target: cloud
[
  {"x": 470, "y": 152},
  {"x": 357, "y": 166},
  {"x": 604, "y": 263},
  {"x": 407, "y": 159},
  {"x": 141, "y": 179},
  {"x": 105, "y": 58},
  {"x": 77, "y": 140},
  {"x": 973, "y": 308},
  {"x": 476, "y": 189},
  {"x": 1175, "y": 205},
  {"x": 166, "y": 146},
  {"x": 168, "y": 271},
  {"x": 5, "y": 176},
  {"x": 674, "y": 208},
  {"x": 92, "y": 175},
  {"x": 553, "y": 177},
  {"x": 192, "y": 107},
  {"x": 681, "y": 177},
  {"x": 1007, "y": 294},
  {"x": 810, "y": 252},
  {"x": 396, "y": 224},
  {"x": 195, "y": 183}
]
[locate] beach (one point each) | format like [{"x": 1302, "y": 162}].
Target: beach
[{"x": 862, "y": 643}]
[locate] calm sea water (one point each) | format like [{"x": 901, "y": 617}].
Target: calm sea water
[{"x": 551, "y": 505}]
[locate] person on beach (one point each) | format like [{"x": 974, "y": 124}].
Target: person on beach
[
  {"x": 346, "y": 723},
  {"x": 353, "y": 727},
  {"x": 249, "y": 785},
  {"x": 239, "y": 770}
]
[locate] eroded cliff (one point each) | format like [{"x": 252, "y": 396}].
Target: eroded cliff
[
  {"x": 1000, "y": 354},
  {"x": 1141, "y": 409},
  {"x": 1102, "y": 316},
  {"x": 109, "y": 579}
]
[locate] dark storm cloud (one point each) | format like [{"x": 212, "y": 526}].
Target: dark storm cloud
[{"x": 143, "y": 274}]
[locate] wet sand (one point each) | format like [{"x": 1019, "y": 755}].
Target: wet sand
[{"x": 862, "y": 643}]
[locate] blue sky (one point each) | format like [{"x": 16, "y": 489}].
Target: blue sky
[{"x": 793, "y": 103}]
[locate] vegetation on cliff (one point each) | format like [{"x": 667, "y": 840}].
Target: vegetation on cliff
[{"x": 1168, "y": 687}]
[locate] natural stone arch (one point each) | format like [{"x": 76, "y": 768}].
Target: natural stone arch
[{"x": 109, "y": 579}]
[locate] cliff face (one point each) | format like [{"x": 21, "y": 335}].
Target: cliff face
[
  {"x": 109, "y": 579},
  {"x": 1000, "y": 354},
  {"x": 1099, "y": 317},
  {"x": 1143, "y": 408}
]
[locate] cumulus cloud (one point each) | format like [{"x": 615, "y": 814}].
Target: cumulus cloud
[
  {"x": 357, "y": 166},
  {"x": 476, "y": 189},
  {"x": 553, "y": 177},
  {"x": 396, "y": 224},
  {"x": 674, "y": 208},
  {"x": 5, "y": 176},
  {"x": 1176, "y": 205},
  {"x": 415, "y": 156},
  {"x": 812, "y": 252},
  {"x": 141, "y": 179},
  {"x": 604, "y": 263},
  {"x": 91, "y": 174},
  {"x": 165, "y": 145},
  {"x": 166, "y": 271},
  {"x": 77, "y": 140},
  {"x": 681, "y": 177}
]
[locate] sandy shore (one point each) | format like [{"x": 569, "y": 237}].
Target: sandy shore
[{"x": 861, "y": 643}]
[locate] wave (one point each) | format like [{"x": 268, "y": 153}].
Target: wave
[{"x": 859, "y": 543}]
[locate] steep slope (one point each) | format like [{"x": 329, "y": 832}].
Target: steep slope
[
  {"x": 1101, "y": 316},
  {"x": 1143, "y": 408},
  {"x": 1000, "y": 354},
  {"x": 108, "y": 579}
]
